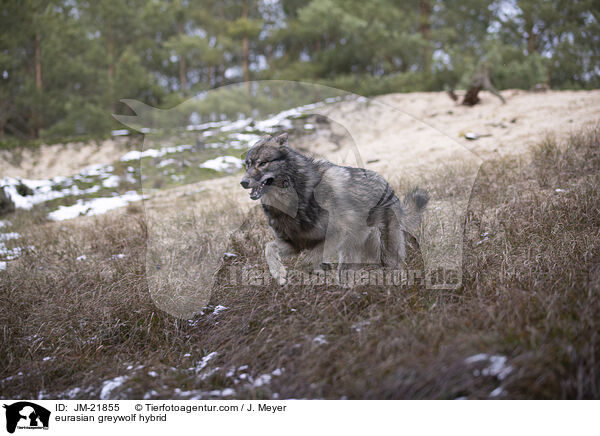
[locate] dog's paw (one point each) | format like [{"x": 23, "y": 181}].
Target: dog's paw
[
  {"x": 279, "y": 273},
  {"x": 282, "y": 281},
  {"x": 281, "y": 276}
]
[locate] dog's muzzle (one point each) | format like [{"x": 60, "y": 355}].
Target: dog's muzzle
[{"x": 257, "y": 189}]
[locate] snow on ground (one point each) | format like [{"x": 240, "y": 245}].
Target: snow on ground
[
  {"x": 166, "y": 162},
  {"x": 497, "y": 366},
  {"x": 9, "y": 236},
  {"x": 202, "y": 364},
  {"x": 4, "y": 223},
  {"x": 95, "y": 178},
  {"x": 223, "y": 164},
  {"x": 320, "y": 340},
  {"x": 219, "y": 309},
  {"x": 94, "y": 170},
  {"x": 43, "y": 190},
  {"x": 111, "y": 182},
  {"x": 2, "y": 266},
  {"x": 95, "y": 206},
  {"x": 13, "y": 253},
  {"x": 151, "y": 152},
  {"x": 110, "y": 385},
  {"x": 497, "y": 392}
]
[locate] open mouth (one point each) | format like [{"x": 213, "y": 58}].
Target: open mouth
[{"x": 259, "y": 189}]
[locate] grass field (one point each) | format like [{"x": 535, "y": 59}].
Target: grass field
[{"x": 523, "y": 325}]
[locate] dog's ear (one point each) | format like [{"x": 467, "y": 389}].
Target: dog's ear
[{"x": 282, "y": 139}]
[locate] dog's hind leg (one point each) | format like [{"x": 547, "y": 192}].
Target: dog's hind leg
[
  {"x": 393, "y": 250},
  {"x": 274, "y": 251}
]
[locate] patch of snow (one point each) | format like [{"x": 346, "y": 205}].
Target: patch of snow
[
  {"x": 43, "y": 190},
  {"x": 223, "y": 163},
  {"x": 129, "y": 178},
  {"x": 151, "y": 152},
  {"x": 82, "y": 257},
  {"x": 13, "y": 253},
  {"x": 209, "y": 373},
  {"x": 219, "y": 309},
  {"x": 149, "y": 395},
  {"x": 117, "y": 256},
  {"x": 262, "y": 380},
  {"x": 497, "y": 392},
  {"x": 320, "y": 340},
  {"x": 202, "y": 364},
  {"x": 227, "y": 392},
  {"x": 229, "y": 255},
  {"x": 559, "y": 190},
  {"x": 95, "y": 206},
  {"x": 97, "y": 170},
  {"x": 9, "y": 236},
  {"x": 120, "y": 132},
  {"x": 236, "y": 125},
  {"x": 309, "y": 126},
  {"x": 497, "y": 365},
  {"x": 4, "y": 223},
  {"x": 210, "y": 125},
  {"x": 111, "y": 182},
  {"x": 2, "y": 266},
  {"x": 110, "y": 385},
  {"x": 166, "y": 162},
  {"x": 72, "y": 393},
  {"x": 245, "y": 137}
]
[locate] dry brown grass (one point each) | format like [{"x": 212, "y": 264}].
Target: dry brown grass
[{"x": 530, "y": 293}]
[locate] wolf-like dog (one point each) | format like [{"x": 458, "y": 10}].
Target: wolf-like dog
[{"x": 333, "y": 214}]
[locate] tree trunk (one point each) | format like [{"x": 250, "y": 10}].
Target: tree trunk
[
  {"x": 531, "y": 42},
  {"x": 111, "y": 65},
  {"x": 245, "y": 51},
  {"x": 182, "y": 65},
  {"x": 38, "y": 62},
  {"x": 35, "y": 116},
  {"x": 531, "y": 37},
  {"x": 425, "y": 28}
]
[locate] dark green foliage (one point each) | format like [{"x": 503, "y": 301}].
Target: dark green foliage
[{"x": 65, "y": 64}]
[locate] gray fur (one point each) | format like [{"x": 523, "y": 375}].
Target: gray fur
[{"x": 332, "y": 214}]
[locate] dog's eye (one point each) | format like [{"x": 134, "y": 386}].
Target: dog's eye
[{"x": 262, "y": 164}]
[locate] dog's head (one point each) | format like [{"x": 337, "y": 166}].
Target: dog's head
[{"x": 265, "y": 163}]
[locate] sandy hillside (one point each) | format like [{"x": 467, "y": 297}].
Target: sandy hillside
[
  {"x": 390, "y": 133},
  {"x": 422, "y": 131},
  {"x": 428, "y": 128},
  {"x": 58, "y": 159}
]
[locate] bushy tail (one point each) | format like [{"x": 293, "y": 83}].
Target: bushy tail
[{"x": 412, "y": 208}]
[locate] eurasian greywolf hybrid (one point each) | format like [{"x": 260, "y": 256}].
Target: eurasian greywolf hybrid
[{"x": 332, "y": 214}]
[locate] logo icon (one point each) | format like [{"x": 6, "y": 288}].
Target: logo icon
[{"x": 26, "y": 415}]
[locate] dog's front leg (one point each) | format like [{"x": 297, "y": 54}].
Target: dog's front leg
[{"x": 273, "y": 252}]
